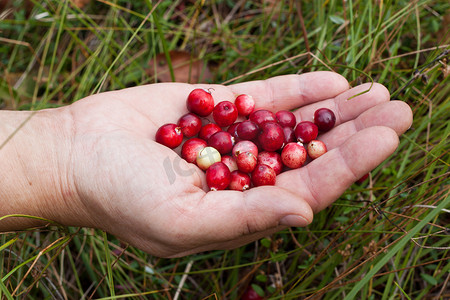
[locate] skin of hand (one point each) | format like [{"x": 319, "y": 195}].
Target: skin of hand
[{"x": 95, "y": 163}]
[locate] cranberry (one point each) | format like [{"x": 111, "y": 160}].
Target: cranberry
[
  {"x": 306, "y": 131},
  {"x": 293, "y": 155},
  {"x": 251, "y": 294},
  {"x": 240, "y": 181},
  {"x": 245, "y": 146},
  {"x": 246, "y": 162},
  {"x": 247, "y": 130},
  {"x": 362, "y": 179},
  {"x": 200, "y": 102},
  {"x": 207, "y": 156},
  {"x": 271, "y": 137},
  {"x": 325, "y": 119},
  {"x": 190, "y": 124},
  {"x": 272, "y": 159},
  {"x": 225, "y": 113},
  {"x": 263, "y": 175},
  {"x": 191, "y": 148},
  {"x": 316, "y": 148},
  {"x": 261, "y": 116},
  {"x": 208, "y": 130},
  {"x": 232, "y": 129},
  {"x": 245, "y": 104},
  {"x": 286, "y": 118},
  {"x": 230, "y": 162},
  {"x": 169, "y": 135},
  {"x": 222, "y": 141},
  {"x": 218, "y": 176},
  {"x": 289, "y": 135}
]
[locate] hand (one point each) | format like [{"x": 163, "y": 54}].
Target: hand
[{"x": 118, "y": 177}]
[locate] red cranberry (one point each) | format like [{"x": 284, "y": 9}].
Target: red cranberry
[
  {"x": 362, "y": 179},
  {"x": 263, "y": 175},
  {"x": 245, "y": 104},
  {"x": 316, "y": 148},
  {"x": 293, "y": 155},
  {"x": 246, "y": 162},
  {"x": 245, "y": 146},
  {"x": 230, "y": 162},
  {"x": 232, "y": 129},
  {"x": 200, "y": 102},
  {"x": 191, "y": 148},
  {"x": 218, "y": 176},
  {"x": 225, "y": 113},
  {"x": 240, "y": 181},
  {"x": 247, "y": 130},
  {"x": 169, "y": 135},
  {"x": 271, "y": 136},
  {"x": 261, "y": 116},
  {"x": 222, "y": 141},
  {"x": 289, "y": 135},
  {"x": 272, "y": 159},
  {"x": 208, "y": 130},
  {"x": 286, "y": 118},
  {"x": 251, "y": 294},
  {"x": 190, "y": 124},
  {"x": 306, "y": 131},
  {"x": 325, "y": 119}
]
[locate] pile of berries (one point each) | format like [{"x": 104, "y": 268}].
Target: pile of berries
[{"x": 240, "y": 154}]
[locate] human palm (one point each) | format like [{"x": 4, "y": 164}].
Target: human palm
[{"x": 145, "y": 194}]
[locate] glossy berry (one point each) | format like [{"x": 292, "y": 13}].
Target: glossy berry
[
  {"x": 191, "y": 148},
  {"x": 169, "y": 135},
  {"x": 200, "y": 102},
  {"x": 240, "y": 181},
  {"x": 207, "y": 156},
  {"x": 208, "y": 130},
  {"x": 245, "y": 104},
  {"x": 245, "y": 146},
  {"x": 271, "y": 136},
  {"x": 218, "y": 176},
  {"x": 362, "y": 179},
  {"x": 261, "y": 116},
  {"x": 225, "y": 113},
  {"x": 246, "y": 162},
  {"x": 289, "y": 135},
  {"x": 190, "y": 124},
  {"x": 232, "y": 129},
  {"x": 247, "y": 130},
  {"x": 325, "y": 119},
  {"x": 306, "y": 131},
  {"x": 251, "y": 294},
  {"x": 286, "y": 118},
  {"x": 230, "y": 162},
  {"x": 222, "y": 141},
  {"x": 316, "y": 149},
  {"x": 272, "y": 159},
  {"x": 263, "y": 175},
  {"x": 293, "y": 155}
]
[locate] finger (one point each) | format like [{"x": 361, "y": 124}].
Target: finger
[
  {"x": 396, "y": 115},
  {"x": 324, "y": 179},
  {"x": 292, "y": 91},
  {"x": 345, "y": 109}
]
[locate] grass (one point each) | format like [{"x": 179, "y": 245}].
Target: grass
[{"x": 384, "y": 239}]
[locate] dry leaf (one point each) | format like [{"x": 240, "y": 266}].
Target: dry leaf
[
  {"x": 185, "y": 67},
  {"x": 81, "y": 3}
]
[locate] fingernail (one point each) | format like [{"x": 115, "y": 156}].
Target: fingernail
[{"x": 294, "y": 221}]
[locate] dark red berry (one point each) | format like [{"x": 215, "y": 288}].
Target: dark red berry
[
  {"x": 222, "y": 141},
  {"x": 289, "y": 135},
  {"x": 316, "y": 148},
  {"x": 190, "y": 124},
  {"x": 246, "y": 162},
  {"x": 245, "y": 146},
  {"x": 208, "y": 130},
  {"x": 272, "y": 159},
  {"x": 293, "y": 155},
  {"x": 245, "y": 104},
  {"x": 263, "y": 175},
  {"x": 325, "y": 119},
  {"x": 306, "y": 131},
  {"x": 218, "y": 176},
  {"x": 240, "y": 181},
  {"x": 247, "y": 130},
  {"x": 362, "y": 179},
  {"x": 200, "y": 102},
  {"x": 261, "y": 116},
  {"x": 271, "y": 136},
  {"x": 251, "y": 294},
  {"x": 286, "y": 118},
  {"x": 232, "y": 129},
  {"x": 169, "y": 135},
  {"x": 225, "y": 113},
  {"x": 191, "y": 148}
]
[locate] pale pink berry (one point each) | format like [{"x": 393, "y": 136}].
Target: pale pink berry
[
  {"x": 293, "y": 155},
  {"x": 316, "y": 148}
]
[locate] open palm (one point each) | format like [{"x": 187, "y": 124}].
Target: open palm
[{"x": 142, "y": 192}]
